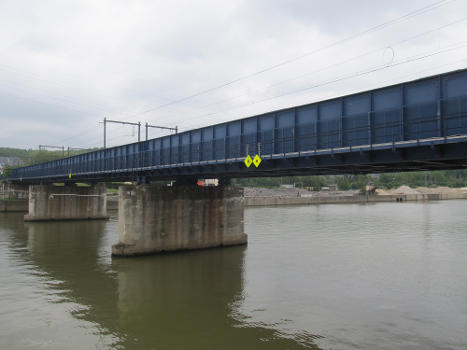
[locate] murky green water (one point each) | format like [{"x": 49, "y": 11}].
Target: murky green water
[{"x": 387, "y": 275}]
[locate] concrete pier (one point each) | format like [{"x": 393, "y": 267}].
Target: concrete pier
[
  {"x": 70, "y": 202},
  {"x": 13, "y": 197},
  {"x": 10, "y": 190},
  {"x": 13, "y": 205},
  {"x": 157, "y": 218}
]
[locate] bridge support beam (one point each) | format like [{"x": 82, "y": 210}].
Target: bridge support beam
[
  {"x": 69, "y": 202},
  {"x": 155, "y": 219}
]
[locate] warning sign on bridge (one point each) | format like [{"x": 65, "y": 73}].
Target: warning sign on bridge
[
  {"x": 248, "y": 161},
  {"x": 257, "y": 161}
]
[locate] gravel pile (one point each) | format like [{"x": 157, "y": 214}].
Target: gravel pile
[
  {"x": 420, "y": 190},
  {"x": 442, "y": 189},
  {"x": 274, "y": 192},
  {"x": 404, "y": 190},
  {"x": 299, "y": 192},
  {"x": 293, "y": 192}
]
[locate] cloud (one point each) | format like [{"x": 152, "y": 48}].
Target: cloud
[{"x": 66, "y": 65}]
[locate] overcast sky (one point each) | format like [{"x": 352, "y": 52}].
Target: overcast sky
[{"x": 65, "y": 65}]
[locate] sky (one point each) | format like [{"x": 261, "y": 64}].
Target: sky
[{"x": 65, "y": 65}]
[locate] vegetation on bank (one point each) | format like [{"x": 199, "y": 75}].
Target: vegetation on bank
[
  {"x": 33, "y": 156},
  {"x": 449, "y": 178}
]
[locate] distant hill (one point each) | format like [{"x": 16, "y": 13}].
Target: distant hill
[
  {"x": 14, "y": 152},
  {"x": 6, "y": 161},
  {"x": 14, "y": 157}
]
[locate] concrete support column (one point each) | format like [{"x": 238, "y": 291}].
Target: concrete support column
[
  {"x": 10, "y": 190},
  {"x": 156, "y": 218},
  {"x": 13, "y": 197},
  {"x": 70, "y": 202}
]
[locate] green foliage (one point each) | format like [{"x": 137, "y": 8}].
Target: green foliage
[
  {"x": 352, "y": 182},
  {"x": 44, "y": 156},
  {"x": 30, "y": 157},
  {"x": 7, "y": 171},
  {"x": 449, "y": 178},
  {"x": 13, "y": 152}
]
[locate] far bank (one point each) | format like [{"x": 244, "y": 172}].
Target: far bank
[
  {"x": 295, "y": 196},
  {"x": 258, "y": 196}
]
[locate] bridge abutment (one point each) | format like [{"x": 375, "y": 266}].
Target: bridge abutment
[
  {"x": 156, "y": 219},
  {"x": 69, "y": 202}
]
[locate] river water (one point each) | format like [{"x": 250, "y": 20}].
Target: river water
[{"x": 348, "y": 276}]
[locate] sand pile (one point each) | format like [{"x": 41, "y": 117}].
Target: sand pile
[
  {"x": 404, "y": 190},
  {"x": 298, "y": 192},
  {"x": 273, "y": 192},
  {"x": 441, "y": 189},
  {"x": 293, "y": 192},
  {"x": 421, "y": 190}
]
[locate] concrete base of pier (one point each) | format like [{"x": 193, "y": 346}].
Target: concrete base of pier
[
  {"x": 156, "y": 219},
  {"x": 70, "y": 202}
]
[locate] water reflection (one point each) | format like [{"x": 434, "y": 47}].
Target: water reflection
[
  {"x": 386, "y": 275},
  {"x": 185, "y": 300}
]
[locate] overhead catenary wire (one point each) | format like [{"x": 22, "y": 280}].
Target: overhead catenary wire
[
  {"x": 353, "y": 75},
  {"x": 400, "y": 78},
  {"x": 419, "y": 11},
  {"x": 338, "y": 63},
  {"x": 417, "y": 73},
  {"x": 375, "y": 28},
  {"x": 338, "y": 79},
  {"x": 98, "y": 144},
  {"x": 360, "y": 73},
  {"x": 394, "y": 79},
  {"x": 62, "y": 85}
]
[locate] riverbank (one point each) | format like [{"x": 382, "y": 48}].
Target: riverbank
[
  {"x": 257, "y": 196},
  {"x": 295, "y": 196}
]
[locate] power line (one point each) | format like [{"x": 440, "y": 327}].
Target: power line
[
  {"x": 411, "y": 14},
  {"x": 53, "y": 84},
  {"x": 417, "y": 73},
  {"x": 63, "y": 100},
  {"x": 341, "y": 78},
  {"x": 398, "y": 79},
  {"x": 288, "y": 61},
  {"x": 80, "y": 134},
  {"x": 340, "y": 63},
  {"x": 44, "y": 102},
  {"x": 357, "y": 74}
]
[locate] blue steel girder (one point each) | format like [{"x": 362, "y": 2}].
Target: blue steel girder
[{"x": 417, "y": 125}]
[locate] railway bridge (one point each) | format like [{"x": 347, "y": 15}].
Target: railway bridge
[{"x": 412, "y": 126}]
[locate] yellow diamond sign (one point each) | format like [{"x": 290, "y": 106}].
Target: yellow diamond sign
[
  {"x": 257, "y": 161},
  {"x": 248, "y": 161}
]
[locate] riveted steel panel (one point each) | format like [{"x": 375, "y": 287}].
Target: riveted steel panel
[
  {"x": 330, "y": 114},
  {"x": 307, "y": 128}
]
